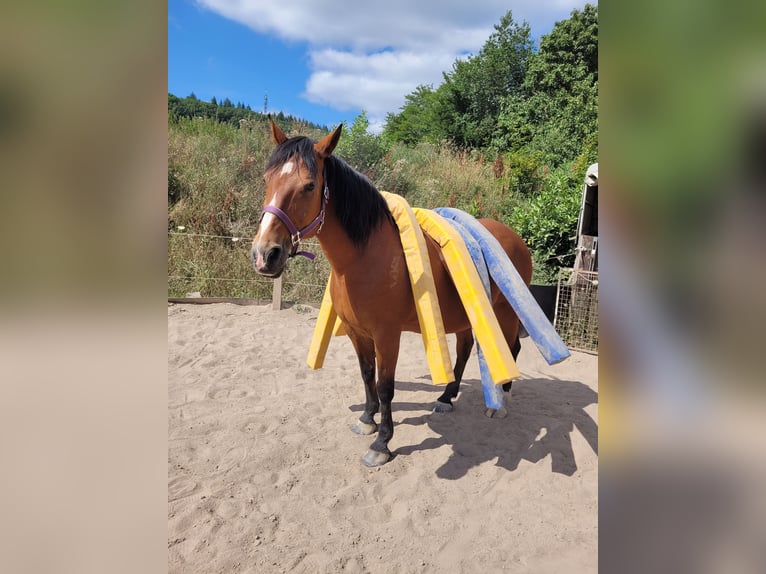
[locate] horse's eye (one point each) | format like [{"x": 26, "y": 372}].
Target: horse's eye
[{"x": 309, "y": 187}]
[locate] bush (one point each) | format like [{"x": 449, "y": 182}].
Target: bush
[
  {"x": 525, "y": 172},
  {"x": 359, "y": 148},
  {"x": 548, "y": 223}
]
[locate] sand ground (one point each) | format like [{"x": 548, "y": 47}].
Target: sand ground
[{"x": 264, "y": 473}]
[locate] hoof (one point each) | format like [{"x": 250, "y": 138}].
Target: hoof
[
  {"x": 375, "y": 458},
  {"x": 364, "y": 428},
  {"x": 441, "y": 407},
  {"x": 500, "y": 413}
]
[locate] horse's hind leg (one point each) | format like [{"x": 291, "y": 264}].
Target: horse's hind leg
[
  {"x": 463, "y": 348},
  {"x": 365, "y": 352},
  {"x": 515, "y": 349},
  {"x": 509, "y": 324}
]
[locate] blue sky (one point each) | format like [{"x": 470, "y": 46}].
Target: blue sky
[{"x": 326, "y": 60}]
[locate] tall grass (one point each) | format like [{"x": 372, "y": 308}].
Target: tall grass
[
  {"x": 218, "y": 168},
  {"x": 216, "y": 191},
  {"x": 431, "y": 176},
  {"x": 213, "y": 266}
]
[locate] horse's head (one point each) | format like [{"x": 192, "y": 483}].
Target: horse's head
[{"x": 296, "y": 198}]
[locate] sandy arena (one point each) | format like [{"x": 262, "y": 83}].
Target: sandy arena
[{"x": 264, "y": 473}]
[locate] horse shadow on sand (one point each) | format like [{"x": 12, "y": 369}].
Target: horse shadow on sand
[{"x": 542, "y": 415}]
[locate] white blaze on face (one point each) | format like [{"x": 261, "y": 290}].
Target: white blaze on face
[
  {"x": 287, "y": 168},
  {"x": 270, "y": 219},
  {"x": 267, "y": 221}
]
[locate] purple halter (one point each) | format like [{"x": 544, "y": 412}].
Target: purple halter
[{"x": 297, "y": 234}]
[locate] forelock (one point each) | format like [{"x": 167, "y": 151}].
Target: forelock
[{"x": 301, "y": 146}]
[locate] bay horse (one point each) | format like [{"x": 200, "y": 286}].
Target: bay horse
[{"x": 310, "y": 192}]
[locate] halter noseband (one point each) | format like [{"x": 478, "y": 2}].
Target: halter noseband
[{"x": 297, "y": 234}]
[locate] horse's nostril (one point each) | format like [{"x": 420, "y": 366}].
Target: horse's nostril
[{"x": 273, "y": 255}]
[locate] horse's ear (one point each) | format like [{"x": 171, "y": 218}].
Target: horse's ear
[
  {"x": 276, "y": 133},
  {"x": 325, "y": 146}
]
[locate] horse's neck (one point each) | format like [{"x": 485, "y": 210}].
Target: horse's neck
[{"x": 342, "y": 254}]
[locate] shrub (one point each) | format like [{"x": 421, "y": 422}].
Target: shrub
[{"x": 548, "y": 222}]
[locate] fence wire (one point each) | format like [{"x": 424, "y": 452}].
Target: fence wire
[
  {"x": 216, "y": 266},
  {"x": 220, "y": 266}
]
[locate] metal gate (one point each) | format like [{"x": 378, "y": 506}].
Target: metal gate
[{"x": 576, "y": 316}]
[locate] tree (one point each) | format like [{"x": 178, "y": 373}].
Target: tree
[
  {"x": 466, "y": 106},
  {"x": 556, "y": 110},
  {"x": 418, "y": 119},
  {"x": 473, "y": 92},
  {"x": 193, "y": 107}
]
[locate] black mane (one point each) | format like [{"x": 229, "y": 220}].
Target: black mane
[{"x": 358, "y": 204}]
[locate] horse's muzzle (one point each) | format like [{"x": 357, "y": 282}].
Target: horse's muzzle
[{"x": 270, "y": 262}]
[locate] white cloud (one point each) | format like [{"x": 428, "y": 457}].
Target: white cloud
[
  {"x": 376, "y": 82},
  {"x": 370, "y": 55},
  {"x": 364, "y": 25}
]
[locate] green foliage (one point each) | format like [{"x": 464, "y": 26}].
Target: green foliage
[
  {"x": 419, "y": 119},
  {"x": 540, "y": 107},
  {"x": 557, "y": 108},
  {"x": 430, "y": 175},
  {"x": 218, "y": 167},
  {"x": 359, "y": 148},
  {"x": 547, "y": 222},
  {"x": 473, "y": 92},
  {"x": 525, "y": 171},
  {"x": 215, "y": 173},
  {"x": 192, "y": 107},
  {"x": 508, "y": 135}
]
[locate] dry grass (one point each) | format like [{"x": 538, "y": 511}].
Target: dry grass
[
  {"x": 434, "y": 176},
  {"x": 215, "y": 171}
]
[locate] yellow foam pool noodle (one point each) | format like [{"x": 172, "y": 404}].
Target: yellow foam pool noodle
[
  {"x": 477, "y": 306},
  {"x": 423, "y": 289}
]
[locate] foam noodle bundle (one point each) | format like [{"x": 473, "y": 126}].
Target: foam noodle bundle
[
  {"x": 493, "y": 395},
  {"x": 540, "y": 330},
  {"x": 477, "y": 306}
]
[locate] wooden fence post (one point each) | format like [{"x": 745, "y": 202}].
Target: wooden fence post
[{"x": 276, "y": 294}]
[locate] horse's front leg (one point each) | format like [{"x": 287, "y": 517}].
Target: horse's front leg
[
  {"x": 365, "y": 352},
  {"x": 387, "y": 353}
]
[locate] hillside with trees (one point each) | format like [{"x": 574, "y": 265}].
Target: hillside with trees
[
  {"x": 508, "y": 134},
  {"x": 224, "y": 111}
]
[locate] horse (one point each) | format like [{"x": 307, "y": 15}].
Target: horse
[{"x": 312, "y": 193}]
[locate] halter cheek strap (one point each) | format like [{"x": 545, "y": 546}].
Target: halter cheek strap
[{"x": 296, "y": 235}]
